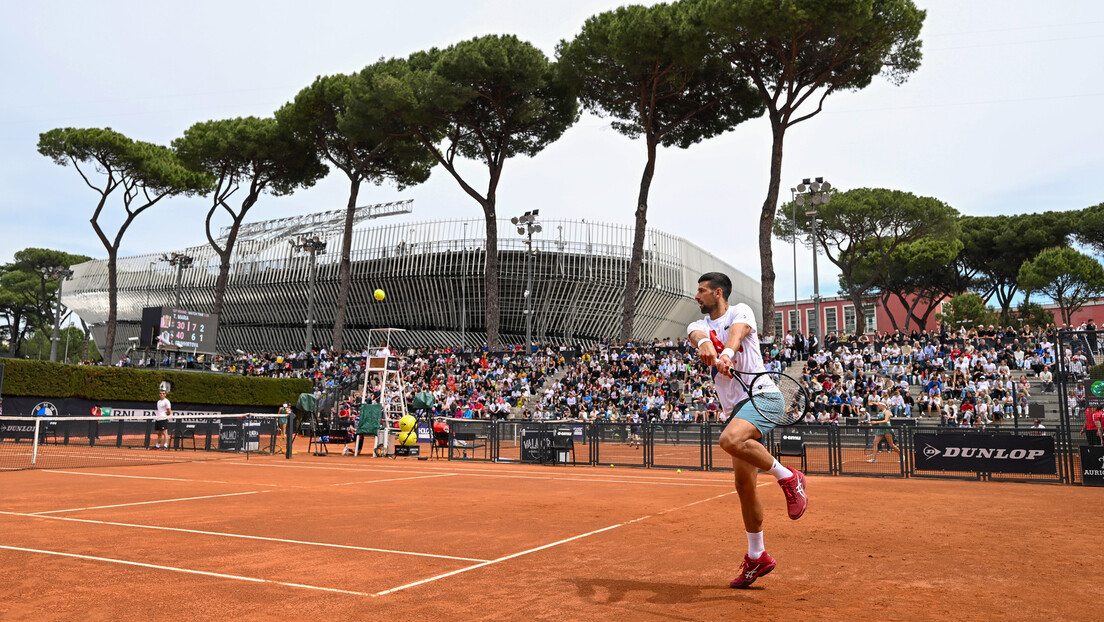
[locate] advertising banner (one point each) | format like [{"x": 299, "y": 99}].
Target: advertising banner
[
  {"x": 1094, "y": 393},
  {"x": 988, "y": 453},
  {"x": 18, "y": 406},
  {"x": 1092, "y": 466}
]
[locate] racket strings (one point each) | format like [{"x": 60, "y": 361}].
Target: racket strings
[{"x": 792, "y": 406}]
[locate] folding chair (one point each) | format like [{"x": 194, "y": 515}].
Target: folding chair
[
  {"x": 318, "y": 443},
  {"x": 562, "y": 446},
  {"x": 792, "y": 445},
  {"x": 440, "y": 444},
  {"x": 181, "y": 432}
]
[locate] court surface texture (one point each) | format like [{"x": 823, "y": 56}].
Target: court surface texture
[{"x": 364, "y": 538}]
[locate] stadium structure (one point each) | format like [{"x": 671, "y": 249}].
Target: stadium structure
[{"x": 433, "y": 276}]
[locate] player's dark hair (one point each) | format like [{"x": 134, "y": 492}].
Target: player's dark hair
[{"x": 717, "y": 279}]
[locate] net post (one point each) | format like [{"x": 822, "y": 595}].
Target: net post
[
  {"x": 34, "y": 445},
  {"x": 293, "y": 423}
]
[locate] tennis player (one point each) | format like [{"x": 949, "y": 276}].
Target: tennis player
[
  {"x": 161, "y": 422},
  {"x": 883, "y": 428},
  {"x": 734, "y": 327}
]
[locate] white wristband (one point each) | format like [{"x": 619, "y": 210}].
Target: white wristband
[
  {"x": 728, "y": 352},
  {"x": 702, "y": 340}
]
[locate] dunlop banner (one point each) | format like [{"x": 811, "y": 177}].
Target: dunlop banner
[{"x": 988, "y": 453}]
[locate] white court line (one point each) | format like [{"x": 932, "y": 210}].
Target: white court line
[
  {"x": 596, "y": 479},
  {"x": 548, "y": 546},
  {"x": 397, "y": 479},
  {"x": 633, "y": 479},
  {"x": 167, "y": 479},
  {"x": 456, "y": 467},
  {"x": 185, "y": 570},
  {"x": 244, "y": 536},
  {"x": 120, "y": 505},
  {"x": 127, "y": 454}
]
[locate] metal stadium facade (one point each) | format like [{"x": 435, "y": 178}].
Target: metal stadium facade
[{"x": 433, "y": 276}]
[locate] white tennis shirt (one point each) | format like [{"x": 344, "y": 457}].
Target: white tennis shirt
[
  {"x": 163, "y": 407},
  {"x": 748, "y": 359}
]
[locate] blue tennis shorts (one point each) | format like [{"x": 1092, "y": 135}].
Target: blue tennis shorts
[{"x": 746, "y": 411}]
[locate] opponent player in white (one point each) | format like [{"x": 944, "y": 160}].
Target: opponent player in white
[
  {"x": 161, "y": 421},
  {"x": 734, "y": 327}
]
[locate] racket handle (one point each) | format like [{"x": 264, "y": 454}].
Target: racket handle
[{"x": 717, "y": 343}]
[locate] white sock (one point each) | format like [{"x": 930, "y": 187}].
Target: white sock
[
  {"x": 779, "y": 471},
  {"x": 755, "y": 545}
]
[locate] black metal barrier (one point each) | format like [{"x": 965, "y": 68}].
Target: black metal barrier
[{"x": 907, "y": 449}]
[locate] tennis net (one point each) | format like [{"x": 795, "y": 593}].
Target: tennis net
[{"x": 74, "y": 442}]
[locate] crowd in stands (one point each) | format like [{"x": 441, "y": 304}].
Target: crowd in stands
[
  {"x": 963, "y": 378},
  {"x": 974, "y": 377}
]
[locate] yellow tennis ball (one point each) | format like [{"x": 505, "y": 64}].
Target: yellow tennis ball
[
  {"x": 407, "y": 423},
  {"x": 409, "y": 437},
  {"x": 680, "y": 470},
  {"x": 379, "y": 294}
]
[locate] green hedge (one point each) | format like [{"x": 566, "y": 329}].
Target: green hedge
[
  {"x": 44, "y": 379},
  {"x": 1096, "y": 372}
]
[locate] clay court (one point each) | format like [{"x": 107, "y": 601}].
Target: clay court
[{"x": 373, "y": 538}]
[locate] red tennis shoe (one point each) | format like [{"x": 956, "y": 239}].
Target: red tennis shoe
[
  {"x": 752, "y": 569},
  {"x": 794, "y": 488}
]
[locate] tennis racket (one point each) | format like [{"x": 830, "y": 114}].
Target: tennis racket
[{"x": 777, "y": 397}]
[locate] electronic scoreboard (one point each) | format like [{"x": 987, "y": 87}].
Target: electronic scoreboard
[{"x": 176, "y": 329}]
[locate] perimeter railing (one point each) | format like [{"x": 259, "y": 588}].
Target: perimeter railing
[{"x": 848, "y": 450}]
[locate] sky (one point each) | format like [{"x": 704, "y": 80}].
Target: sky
[{"x": 1001, "y": 118}]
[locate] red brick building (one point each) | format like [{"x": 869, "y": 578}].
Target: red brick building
[{"x": 837, "y": 315}]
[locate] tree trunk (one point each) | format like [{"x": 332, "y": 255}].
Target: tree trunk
[
  {"x": 1005, "y": 293},
  {"x": 228, "y": 252},
  {"x": 112, "y": 305},
  {"x": 224, "y": 271},
  {"x": 346, "y": 268},
  {"x": 922, "y": 320},
  {"x": 1063, "y": 308},
  {"x": 885, "y": 305},
  {"x": 766, "y": 225},
  {"x": 490, "y": 278},
  {"x": 632, "y": 279},
  {"x": 13, "y": 344},
  {"x": 860, "y": 316}
]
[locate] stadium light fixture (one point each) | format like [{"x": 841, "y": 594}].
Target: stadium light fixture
[
  {"x": 527, "y": 225},
  {"x": 811, "y": 193},
  {"x": 314, "y": 245}
]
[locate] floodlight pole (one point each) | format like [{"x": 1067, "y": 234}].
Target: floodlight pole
[
  {"x": 816, "y": 284},
  {"x": 179, "y": 283},
  {"x": 793, "y": 204},
  {"x": 310, "y": 300},
  {"x": 149, "y": 282},
  {"x": 180, "y": 261},
  {"x": 464, "y": 292},
  {"x": 314, "y": 246},
  {"x": 529, "y": 295},
  {"x": 811, "y": 194},
  {"x": 527, "y": 225}
]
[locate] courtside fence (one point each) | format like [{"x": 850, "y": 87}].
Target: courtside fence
[
  {"x": 848, "y": 450},
  {"x": 74, "y": 442}
]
